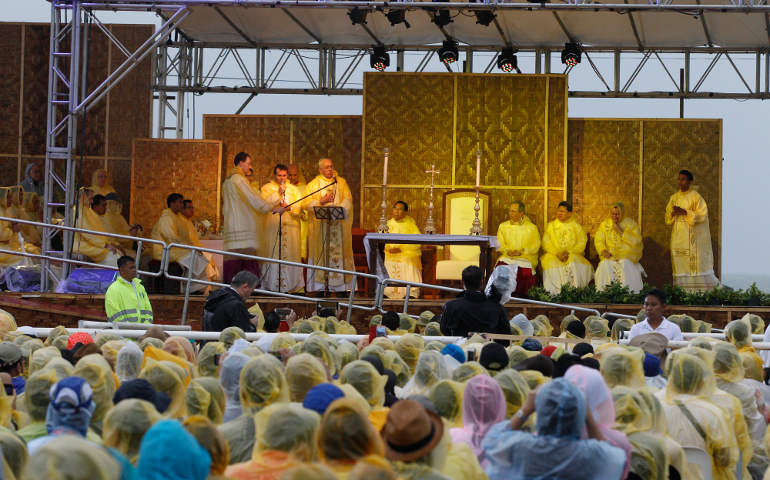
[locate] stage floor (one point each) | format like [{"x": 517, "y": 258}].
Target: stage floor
[{"x": 50, "y": 309}]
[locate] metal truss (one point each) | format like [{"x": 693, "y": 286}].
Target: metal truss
[{"x": 69, "y": 98}]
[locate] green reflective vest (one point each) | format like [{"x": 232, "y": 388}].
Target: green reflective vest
[{"x": 127, "y": 302}]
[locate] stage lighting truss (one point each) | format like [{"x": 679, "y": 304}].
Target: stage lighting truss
[
  {"x": 484, "y": 17},
  {"x": 397, "y": 16},
  {"x": 357, "y": 16},
  {"x": 507, "y": 61},
  {"x": 570, "y": 56},
  {"x": 448, "y": 53},
  {"x": 442, "y": 18},
  {"x": 379, "y": 59}
]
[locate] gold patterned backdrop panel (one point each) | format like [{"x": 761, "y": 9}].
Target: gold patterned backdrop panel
[
  {"x": 557, "y": 130},
  {"x": 189, "y": 167},
  {"x": 412, "y": 115},
  {"x": 441, "y": 119},
  {"x": 604, "y": 161},
  {"x": 669, "y": 146},
  {"x": 416, "y": 198},
  {"x": 504, "y": 116}
]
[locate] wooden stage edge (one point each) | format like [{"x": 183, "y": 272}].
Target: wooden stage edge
[{"x": 49, "y": 309}]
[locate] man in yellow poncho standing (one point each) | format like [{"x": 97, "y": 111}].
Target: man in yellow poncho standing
[
  {"x": 564, "y": 242},
  {"x": 339, "y": 246},
  {"x": 281, "y": 191},
  {"x": 241, "y": 208},
  {"x": 691, "y": 256},
  {"x": 403, "y": 261},
  {"x": 519, "y": 245},
  {"x": 618, "y": 241}
]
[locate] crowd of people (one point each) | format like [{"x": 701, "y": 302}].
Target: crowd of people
[{"x": 567, "y": 402}]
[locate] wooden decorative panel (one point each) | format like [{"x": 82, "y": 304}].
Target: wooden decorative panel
[
  {"x": 161, "y": 167},
  {"x": 36, "y": 45},
  {"x": 8, "y": 168},
  {"x": 517, "y": 121},
  {"x": 303, "y": 140},
  {"x": 642, "y": 158},
  {"x": 10, "y": 80}
]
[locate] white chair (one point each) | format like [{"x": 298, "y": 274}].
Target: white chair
[
  {"x": 458, "y": 219},
  {"x": 700, "y": 458}
]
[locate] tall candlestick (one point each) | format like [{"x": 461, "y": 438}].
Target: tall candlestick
[
  {"x": 478, "y": 168},
  {"x": 385, "y": 167}
]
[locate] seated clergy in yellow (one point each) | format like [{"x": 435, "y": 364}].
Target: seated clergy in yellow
[
  {"x": 9, "y": 231},
  {"x": 619, "y": 244},
  {"x": 98, "y": 248},
  {"x": 519, "y": 245},
  {"x": 564, "y": 243},
  {"x": 403, "y": 261}
]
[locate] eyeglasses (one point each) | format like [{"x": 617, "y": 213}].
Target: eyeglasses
[{"x": 8, "y": 388}]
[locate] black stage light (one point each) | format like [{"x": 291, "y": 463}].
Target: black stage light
[
  {"x": 448, "y": 53},
  {"x": 507, "y": 60},
  {"x": 397, "y": 16},
  {"x": 484, "y": 17},
  {"x": 442, "y": 18},
  {"x": 379, "y": 59},
  {"x": 357, "y": 16},
  {"x": 570, "y": 56}
]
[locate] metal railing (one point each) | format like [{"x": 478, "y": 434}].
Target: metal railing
[
  {"x": 46, "y": 255},
  {"x": 377, "y": 302}
]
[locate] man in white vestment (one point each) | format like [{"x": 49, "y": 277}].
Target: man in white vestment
[
  {"x": 281, "y": 191},
  {"x": 298, "y": 180},
  {"x": 691, "y": 256},
  {"x": 242, "y": 222},
  {"x": 338, "y": 247},
  {"x": 618, "y": 241}
]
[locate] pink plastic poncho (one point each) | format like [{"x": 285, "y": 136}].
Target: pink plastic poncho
[{"x": 483, "y": 407}]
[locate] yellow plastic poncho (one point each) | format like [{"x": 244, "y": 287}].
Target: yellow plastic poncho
[
  {"x": 627, "y": 246},
  {"x": 345, "y": 435},
  {"x": 282, "y": 340},
  {"x": 621, "y": 325},
  {"x": 397, "y": 364},
  {"x": 97, "y": 372},
  {"x": 289, "y": 428},
  {"x": 468, "y": 370},
  {"x": 72, "y": 457},
  {"x": 262, "y": 383},
  {"x": 303, "y": 372},
  {"x": 209, "y": 359},
  {"x": 738, "y": 332},
  {"x": 110, "y": 351},
  {"x": 515, "y": 389},
  {"x": 364, "y": 377},
  {"x": 126, "y": 424},
  {"x": 15, "y": 455},
  {"x": 447, "y": 396},
  {"x": 164, "y": 378},
  {"x": 757, "y": 323},
  {"x": 596, "y": 327},
  {"x": 229, "y": 335},
  {"x": 319, "y": 347},
  {"x": 409, "y": 347},
  {"x": 101, "y": 182},
  {"x": 213, "y": 441},
  {"x": 346, "y": 353},
  {"x": 534, "y": 378},
  {"x": 622, "y": 366},
  {"x": 40, "y": 358},
  {"x": 205, "y": 396}
]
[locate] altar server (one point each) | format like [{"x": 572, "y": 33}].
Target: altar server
[{"x": 403, "y": 261}]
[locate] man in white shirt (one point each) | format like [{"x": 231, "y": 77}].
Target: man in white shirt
[{"x": 654, "y": 305}]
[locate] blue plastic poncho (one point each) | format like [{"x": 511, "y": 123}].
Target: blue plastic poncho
[
  {"x": 230, "y": 376},
  {"x": 169, "y": 452},
  {"x": 556, "y": 451}
]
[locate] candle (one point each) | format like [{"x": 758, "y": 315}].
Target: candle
[
  {"x": 385, "y": 168},
  {"x": 478, "y": 168}
]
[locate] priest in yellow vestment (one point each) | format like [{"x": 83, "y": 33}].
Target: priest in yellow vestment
[
  {"x": 691, "y": 256},
  {"x": 618, "y": 242},
  {"x": 98, "y": 248},
  {"x": 338, "y": 247},
  {"x": 9, "y": 231},
  {"x": 281, "y": 191},
  {"x": 519, "y": 246},
  {"x": 101, "y": 183},
  {"x": 298, "y": 180},
  {"x": 241, "y": 210},
  {"x": 564, "y": 243},
  {"x": 403, "y": 261}
]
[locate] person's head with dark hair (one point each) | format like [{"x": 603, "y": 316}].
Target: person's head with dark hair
[
  {"x": 127, "y": 267},
  {"x": 472, "y": 277},
  {"x": 281, "y": 174},
  {"x": 390, "y": 320},
  {"x": 565, "y": 361},
  {"x": 399, "y": 210},
  {"x": 564, "y": 211},
  {"x": 11, "y": 359},
  {"x": 244, "y": 282},
  {"x": 99, "y": 204},
  {"x": 685, "y": 180},
  {"x": 240, "y": 157},
  {"x": 175, "y": 202},
  {"x": 327, "y": 312},
  {"x": 280, "y": 166},
  {"x": 582, "y": 348},
  {"x": 188, "y": 210},
  {"x": 590, "y": 362},
  {"x": 655, "y": 305},
  {"x": 516, "y": 211},
  {"x": 577, "y": 329},
  {"x": 272, "y": 322}
]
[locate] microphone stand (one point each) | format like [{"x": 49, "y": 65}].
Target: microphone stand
[{"x": 280, "y": 225}]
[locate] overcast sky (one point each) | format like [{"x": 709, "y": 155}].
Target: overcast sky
[{"x": 746, "y": 129}]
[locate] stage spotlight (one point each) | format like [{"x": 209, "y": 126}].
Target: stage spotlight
[
  {"x": 484, "y": 17},
  {"x": 379, "y": 59},
  {"x": 570, "y": 56},
  {"x": 448, "y": 53},
  {"x": 507, "y": 60},
  {"x": 357, "y": 16},
  {"x": 397, "y": 16},
  {"x": 442, "y": 18}
]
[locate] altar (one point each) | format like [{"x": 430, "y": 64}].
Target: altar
[{"x": 374, "y": 244}]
